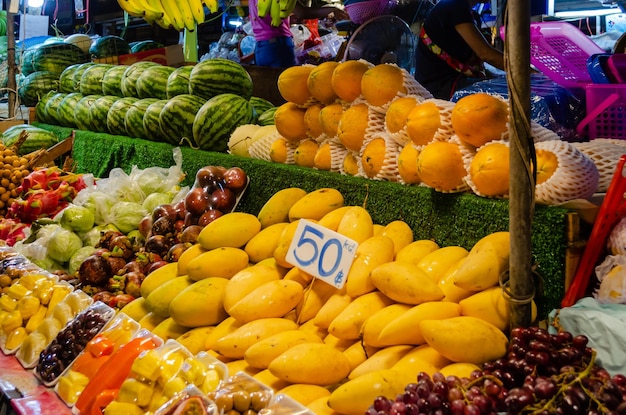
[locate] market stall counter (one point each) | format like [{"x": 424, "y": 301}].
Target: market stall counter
[{"x": 447, "y": 218}]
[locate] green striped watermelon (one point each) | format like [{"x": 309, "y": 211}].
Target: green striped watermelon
[
  {"x": 37, "y": 139},
  {"x": 25, "y": 60},
  {"x": 134, "y": 117},
  {"x": 267, "y": 117},
  {"x": 51, "y": 108},
  {"x": 81, "y": 112},
  {"x": 35, "y": 85},
  {"x": 151, "y": 125},
  {"x": 260, "y": 105},
  {"x": 65, "y": 110},
  {"x": 112, "y": 80},
  {"x": 129, "y": 79},
  {"x": 116, "y": 114},
  {"x": 212, "y": 77},
  {"x": 40, "y": 108},
  {"x": 177, "y": 116},
  {"x": 55, "y": 57},
  {"x": 66, "y": 79},
  {"x": 99, "y": 111},
  {"x": 218, "y": 118},
  {"x": 178, "y": 81},
  {"x": 109, "y": 46},
  {"x": 78, "y": 74},
  {"x": 152, "y": 83},
  {"x": 144, "y": 45},
  {"x": 91, "y": 79}
]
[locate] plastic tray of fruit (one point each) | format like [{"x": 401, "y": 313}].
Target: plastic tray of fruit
[
  {"x": 205, "y": 372},
  {"x": 190, "y": 400},
  {"x": 118, "y": 332},
  {"x": 64, "y": 304},
  {"x": 240, "y": 394},
  {"x": 23, "y": 306},
  {"x": 58, "y": 356},
  {"x": 155, "y": 377},
  {"x": 284, "y": 405}
]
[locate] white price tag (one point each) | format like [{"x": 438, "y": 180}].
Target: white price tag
[{"x": 325, "y": 254}]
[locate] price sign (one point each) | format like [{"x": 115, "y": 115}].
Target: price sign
[{"x": 325, "y": 254}]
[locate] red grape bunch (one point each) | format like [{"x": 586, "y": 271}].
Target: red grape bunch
[{"x": 541, "y": 374}]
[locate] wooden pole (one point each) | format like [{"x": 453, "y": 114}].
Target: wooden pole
[
  {"x": 11, "y": 84},
  {"x": 522, "y": 179}
]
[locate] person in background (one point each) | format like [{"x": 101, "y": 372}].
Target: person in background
[
  {"x": 274, "y": 45},
  {"x": 451, "y": 50}
]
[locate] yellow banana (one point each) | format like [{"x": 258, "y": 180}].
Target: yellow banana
[
  {"x": 130, "y": 7},
  {"x": 152, "y": 16},
  {"x": 263, "y": 7},
  {"x": 286, "y": 8},
  {"x": 187, "y": 15},
  {"x": 275, "y": 13},
  {"x": 212, "y": 5},
  {"x": 171, "y": 10},
  {"x": 197, "y": 10}
]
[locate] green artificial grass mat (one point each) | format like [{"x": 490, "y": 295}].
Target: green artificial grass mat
[{"x": 447, "y": 218}]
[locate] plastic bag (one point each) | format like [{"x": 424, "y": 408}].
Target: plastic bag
[
  {"x": 612, "y": 276},
  {"x": 603, "y": 324}
]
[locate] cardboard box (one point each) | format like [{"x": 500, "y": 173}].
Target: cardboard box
[{"x": 169, "y": 55}]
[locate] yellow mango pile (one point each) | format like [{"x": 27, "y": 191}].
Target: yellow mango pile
[{"x": 407, "y": 306}]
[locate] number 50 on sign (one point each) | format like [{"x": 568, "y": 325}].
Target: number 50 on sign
[{"x": 325, "y": 254}]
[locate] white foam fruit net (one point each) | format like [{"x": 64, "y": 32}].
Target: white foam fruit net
[
  {"x": 605, "y": 154},
  {"x": 616, "y": 242},
  {"x": 360, "y": 98},
  {"x": 337, "y": 153},
  {"x": 576, "y": 176},
  {"x": 261, "y": 148},
  {"x": 389, "y": 168},
  {"x": 401, "y": 136}
]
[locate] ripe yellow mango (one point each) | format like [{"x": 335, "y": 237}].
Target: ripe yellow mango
[
  {"x": 222, "y": 329},
  {"x": 187, "y": 255},
  {"x": 136, "y": 309},
  {"x": 337, "y": 343},
  {"x": 314, "y": 297},
  {"x": 312, "y": 328},
  {"x": 358, "y": 353},
  {"x": 150, "y": 321},
  {"x": 400, "y": 233},
  {"x": 479, "y": 270},
  {"x": 223, "y": 262},
  {"x": 233, "y": 229},
  {"x": 422, "y": 358},
  {"x": 465, "y": 339},
  {"x": 260, "y": 354},
  {"x": 331, "y": 219},
  {"x": 349, "y": 322},
  {"x": 452, "y": 292},
  {"x": 372, "y": 252},
  {"x": 335, "y": 304},
  {"x": 460, "y": 370},
  {"x": 195, "y": 338},
  {"x": 272, "y": 299},
  {"x": 304, "y": 393},
  {"x": 437, "y": 263},
  {"x": 301, "y": 277},
  {"x": 491, "y": 305},
  {"x": 405, "y": 328},
  {"x": 276, "y": 209},
  {"x": 169, "y": 329},
  {"x": 263, "y": 244},
  {"x": 416, "y": 250},
  {"x": 267, "y": 378},
  {"x": 158, "y": 301},
  {"x": 200, "y": 304},
  {"x": 320, "y": 407},
  {"x": 158, "y": 277},
  {"x": 356, "y": 395},
  {"x": 241, "y": 365},
  {"x": 384, "y": 358},
  {"x": 284, "y": 241},
  {"x": 375, "y": 324},
  {"x": 314, "y": 205},
  {"x": 311, "y": 363},
  {"x": 234, "y": 344},
  {"x": 499, "y": 241},
  {"x": 245, "y": 281},
  {"x": 405, "y": 283},
  {"x": 356, "y": 224}
]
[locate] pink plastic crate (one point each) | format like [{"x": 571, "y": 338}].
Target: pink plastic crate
[{"x": 606, "y": 111}]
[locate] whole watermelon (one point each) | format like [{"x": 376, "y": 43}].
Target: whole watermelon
[
  {"x": 26, "y": 61},
  {"x": 66, "y": 79},
  {"x": 65, "y": 110},
  {"x": 37, "y": 139},
  {"x": 151, "y": 123},
  {"x": 218, "y": 118},
  {"x": 260, "y": 105},
  {"x": 112, "y": 80},
  {"x": 178, "y": 81},
  {"x": 215, "y": 76},
  {"x": 35, "y": 85},
  {"x": 144, "y": 45},
  {"x": 133, "y": 120},
  {"x": 55, "y": 57},
  {"x": 177, "y": 118},
  {"x": 91, "y": 79},
  {"x": 78, "y": 75},
  {"x": 152, "y": 82},
  {"x": 267, "y": 117},
  {"x": 52, "y": 105},
  {"x": 109, "y": 46},
  {"x": 130, "y": 76},
  {"x": 117, "y": 113},
  {"x": 40, "y": 108},
  {"x": 81, "y": 112},
  {"x": 99, "y": 111}
]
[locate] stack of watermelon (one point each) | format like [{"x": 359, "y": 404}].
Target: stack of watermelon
[{"x": 197, "y": 106}]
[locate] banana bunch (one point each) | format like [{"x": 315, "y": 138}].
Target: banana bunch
[
  {"x": 277, "y": 9},
  {"x": 170, "y": 14}
]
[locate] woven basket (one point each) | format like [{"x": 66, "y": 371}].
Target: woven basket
[{"x": 362, "y": 11}]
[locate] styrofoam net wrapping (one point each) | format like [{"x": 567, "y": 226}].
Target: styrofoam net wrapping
[
  {"x": 616, "y": 242},
  {"x": 337, "y": 152},
  {"x": 261, "y": 148},
  {"x": 445, "y": 131},
  {"x": 410, "y": 84},
  {"x": 357, "y": 161},
  {"x": 375, "y": 125},
  {"x": 605, "y": 155},
  {"x": 468, "y": 157},
  {"x": 401, "y": 137},
  {"x": 616, "y": 141},
  {"x": 389, "y": 168},
  {"x": 462, "y": 187},
  {"x": 540, "y": 133},
  {"x": 576, "y": 176}
]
